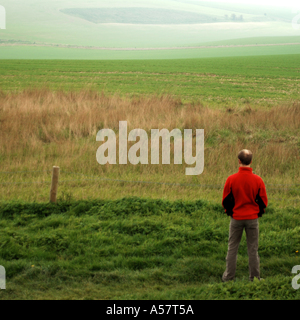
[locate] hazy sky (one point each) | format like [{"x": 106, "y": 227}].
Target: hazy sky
[{"x": 283, "y": 3}]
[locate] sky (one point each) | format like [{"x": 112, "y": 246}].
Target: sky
[{"x": 281, "y": 3}]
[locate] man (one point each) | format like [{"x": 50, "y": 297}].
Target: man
[{"x": 244, "y": 200}]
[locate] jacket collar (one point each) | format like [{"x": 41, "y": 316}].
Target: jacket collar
[{"x": 245, "y": 169}]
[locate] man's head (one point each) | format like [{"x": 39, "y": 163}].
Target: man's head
[{"x": 245, "y": 157}]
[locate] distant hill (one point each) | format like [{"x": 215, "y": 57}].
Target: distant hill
[
  {"x": 138, "y": 24},
  {"x": 137, "y": 15},
  {"x": 258, "y": 12}
]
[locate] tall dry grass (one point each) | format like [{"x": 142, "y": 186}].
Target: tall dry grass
[{"x": 41, "y": 128}]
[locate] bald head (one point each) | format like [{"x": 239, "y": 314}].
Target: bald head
[{"x": 245, "y": 156}]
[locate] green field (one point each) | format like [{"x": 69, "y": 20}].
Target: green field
[
  {"x": 140, "y": 249},
  {"x": 255, "y": 41},
  {"x": 138, "y": 15},
  {"x": 47, "y": 53},
  {"x": 259, "y": 80},
  {"x": 111, "y": 236}
]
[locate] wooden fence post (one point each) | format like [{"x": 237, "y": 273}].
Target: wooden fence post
[{"x": 54, "y": 184}]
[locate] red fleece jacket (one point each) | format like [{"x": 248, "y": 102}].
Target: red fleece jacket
[{"x": 244, "y": 195}]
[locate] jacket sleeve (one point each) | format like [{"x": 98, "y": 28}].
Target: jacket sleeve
[
  {"x": 228, "y": 199},
  {"x": 262, "y": 199}
]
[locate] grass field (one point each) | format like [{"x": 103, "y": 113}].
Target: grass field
[
  {"x": 60, "y": 129},
  {"x": 255, "y": 41},
  {"x": 261, "y": 81},
  {"x": 139, "y": 249},
  {"x": 111, "y": 236},
  {"x": 18, "y": 52},
  {"x": 136, "y": 15}
]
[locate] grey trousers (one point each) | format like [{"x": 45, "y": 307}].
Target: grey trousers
[{"x": 235, "y": 234}]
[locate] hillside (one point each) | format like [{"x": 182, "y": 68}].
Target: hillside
[{"x": 132, "y": 24}]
